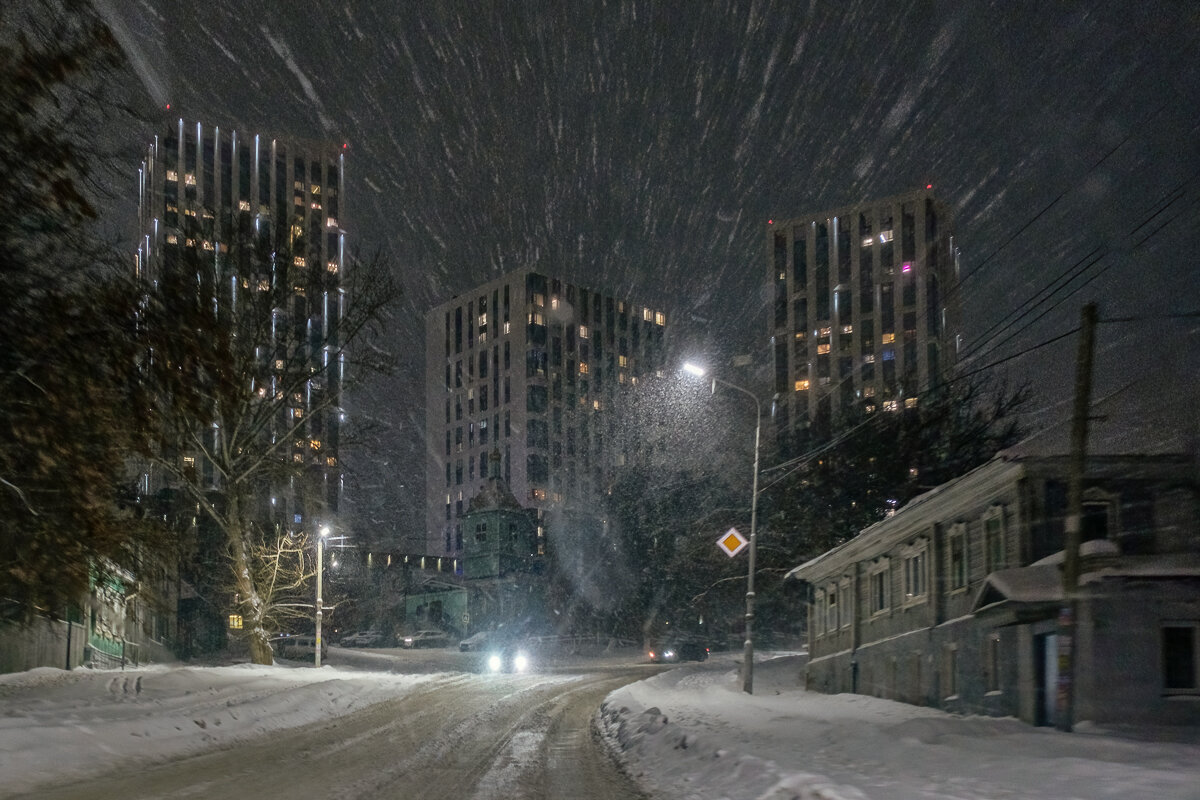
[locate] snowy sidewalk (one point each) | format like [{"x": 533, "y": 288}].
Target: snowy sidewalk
[{"x": 691, "y": 733}]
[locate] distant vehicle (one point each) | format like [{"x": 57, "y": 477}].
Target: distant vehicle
[
  {"x": 362, "y": 639},
  {"x": 299, "y": 647},
  {"x": 475, "y": 642},
  {"x": 429, "y": 638},
  {"x": 511, "y": 657},
  {"x": 680, "y": 648}
]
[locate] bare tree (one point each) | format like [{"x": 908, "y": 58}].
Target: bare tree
[{"x": 244, "y": 381}]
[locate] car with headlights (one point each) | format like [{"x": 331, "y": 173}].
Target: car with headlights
[
  {"x": 509, "y": 657},
  {"x": 426, "y": 638},
  {"x": 680, "y": 648}
]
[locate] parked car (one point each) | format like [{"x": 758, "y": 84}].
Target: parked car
[
  {"x": 679, "y": 648},
  {"x": 476, "y": 641},
  {"x": 363, "y": 639},
  {"x": 299, "y": 647},
  {"x": 427, "y": 638}
]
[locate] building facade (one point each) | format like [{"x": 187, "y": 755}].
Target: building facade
[
  {"x": 248, "y": 215},
  {"x": 528, "y": 365},
  {"x": 865, "y": 311},
  {"x": 954, "y": 601}
]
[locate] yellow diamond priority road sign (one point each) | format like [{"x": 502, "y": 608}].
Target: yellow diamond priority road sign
[{"x": 732, "y": 542}]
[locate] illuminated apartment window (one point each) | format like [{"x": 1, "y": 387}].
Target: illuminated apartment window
[
  {"x": 847, "y": 329},
  {"x": 869, "y": 408},
  {"x": 622, "y": 361},
  {"x": 506, "y": 327},
  {"x": 482, "y": 320},
  {"x": 300, "y": 261},
  {"x": 660, "y": 318},
  {"x": 330, "y": 461},
  {"x": 891, "y": 405},
  {"x": 264, "y": 285},
  {"x": 190, "y": 242},
  {"x": 298, "y": 458},
  {"x": 868, "y": 241},
  {"x": 888, "y": 338},
  {"x": 596, "y": 405},
  {"x": 207, "y": 245},
  {"x": 315, "y": 444},
  {"x": 482, "y": 337},
  {"x": 800, "y": 336},
  {"x": 822, "y": 349},
  {"x": 172, "y": 239},
  {"x": 621, "y": 377},
  {"x": 553, "y": 302},
  {"x": 583, "y": 368},
  {"x": 910, "y": 402},
  {"x": 315, "y": 188},
  {"x": 647, "y": 314},
  {"x": 243, "y": 205},
  {"x": 885, "y": 236},
  {"x": 824, "y": 380},
  {"x": 189, "y": 462},
  {"x": 297, "y": 413},
  {"x": 869, "y": 358},
  {"x": 583, "y": 332},
  {"x": 172, "y": 175},
  {"x": 332, "y": 267},
  {"x": 279, "y": 363},
  {"x": 802, "y": 385},
  {"x": 826, "y": 332},
  {"x": 331, "y": 222},
  {"x": 868, "y": 391},
  {"x": 316, "y": 206},
  {"x": 189, "y": 179},
  {"x": 537, "y": 318},
  {"x": 539, "y": 299}
]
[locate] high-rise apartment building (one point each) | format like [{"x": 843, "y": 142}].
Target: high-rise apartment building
[
  {"x": 529, "y": 366},
  {"x": 866, "y": 309},
  {"x": 248, "y": 214}
]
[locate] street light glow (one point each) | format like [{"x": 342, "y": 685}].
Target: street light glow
[
  {"x": 324, "y": 530},
  {"x": 748, "y": 652}
]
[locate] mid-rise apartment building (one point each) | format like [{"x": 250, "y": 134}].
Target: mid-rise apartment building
[
  {"x": 251, "y": 214},
  {"x": 528, "y": 365},
  {"x": 866, "y": 309}
]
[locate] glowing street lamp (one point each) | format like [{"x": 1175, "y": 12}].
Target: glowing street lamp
[{"x": 748, "y": 652}]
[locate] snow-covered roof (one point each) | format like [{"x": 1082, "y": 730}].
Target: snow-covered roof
[{"x": 1042, "y": 582}]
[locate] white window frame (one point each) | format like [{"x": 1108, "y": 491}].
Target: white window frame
[
  {"x": 995, "y": 512},
  {"x": 881, "y": 601},
  {"x": 958, "y": 532},
  {"x": 915, "y": 559}
]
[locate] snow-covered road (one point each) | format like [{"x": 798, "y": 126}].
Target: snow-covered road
[{"x": 239, "y": 731}]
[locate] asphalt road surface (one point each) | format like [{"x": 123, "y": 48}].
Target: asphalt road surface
[{"x": 464, "y": 735}]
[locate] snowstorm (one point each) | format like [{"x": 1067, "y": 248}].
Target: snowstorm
[{"x": 243, "y": 551}]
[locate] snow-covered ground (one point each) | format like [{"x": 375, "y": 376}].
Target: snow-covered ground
[
  {"x": 705, "y": 740},
  {"x": 692, "y": 733}
]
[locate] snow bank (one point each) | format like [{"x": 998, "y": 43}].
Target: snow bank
[
  {"x": 103, "y": 718},
  {"x": 678, "y": 760}
]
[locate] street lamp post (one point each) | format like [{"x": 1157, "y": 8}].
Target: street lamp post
[
  {"x": 748, "y": 648},
  {"x": 320, "y": 601}
]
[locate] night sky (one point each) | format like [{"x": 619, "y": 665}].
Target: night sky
[{"x": 643, "y": 146}]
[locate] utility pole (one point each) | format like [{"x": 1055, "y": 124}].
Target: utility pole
[{"x": 1068, "y": 615}]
